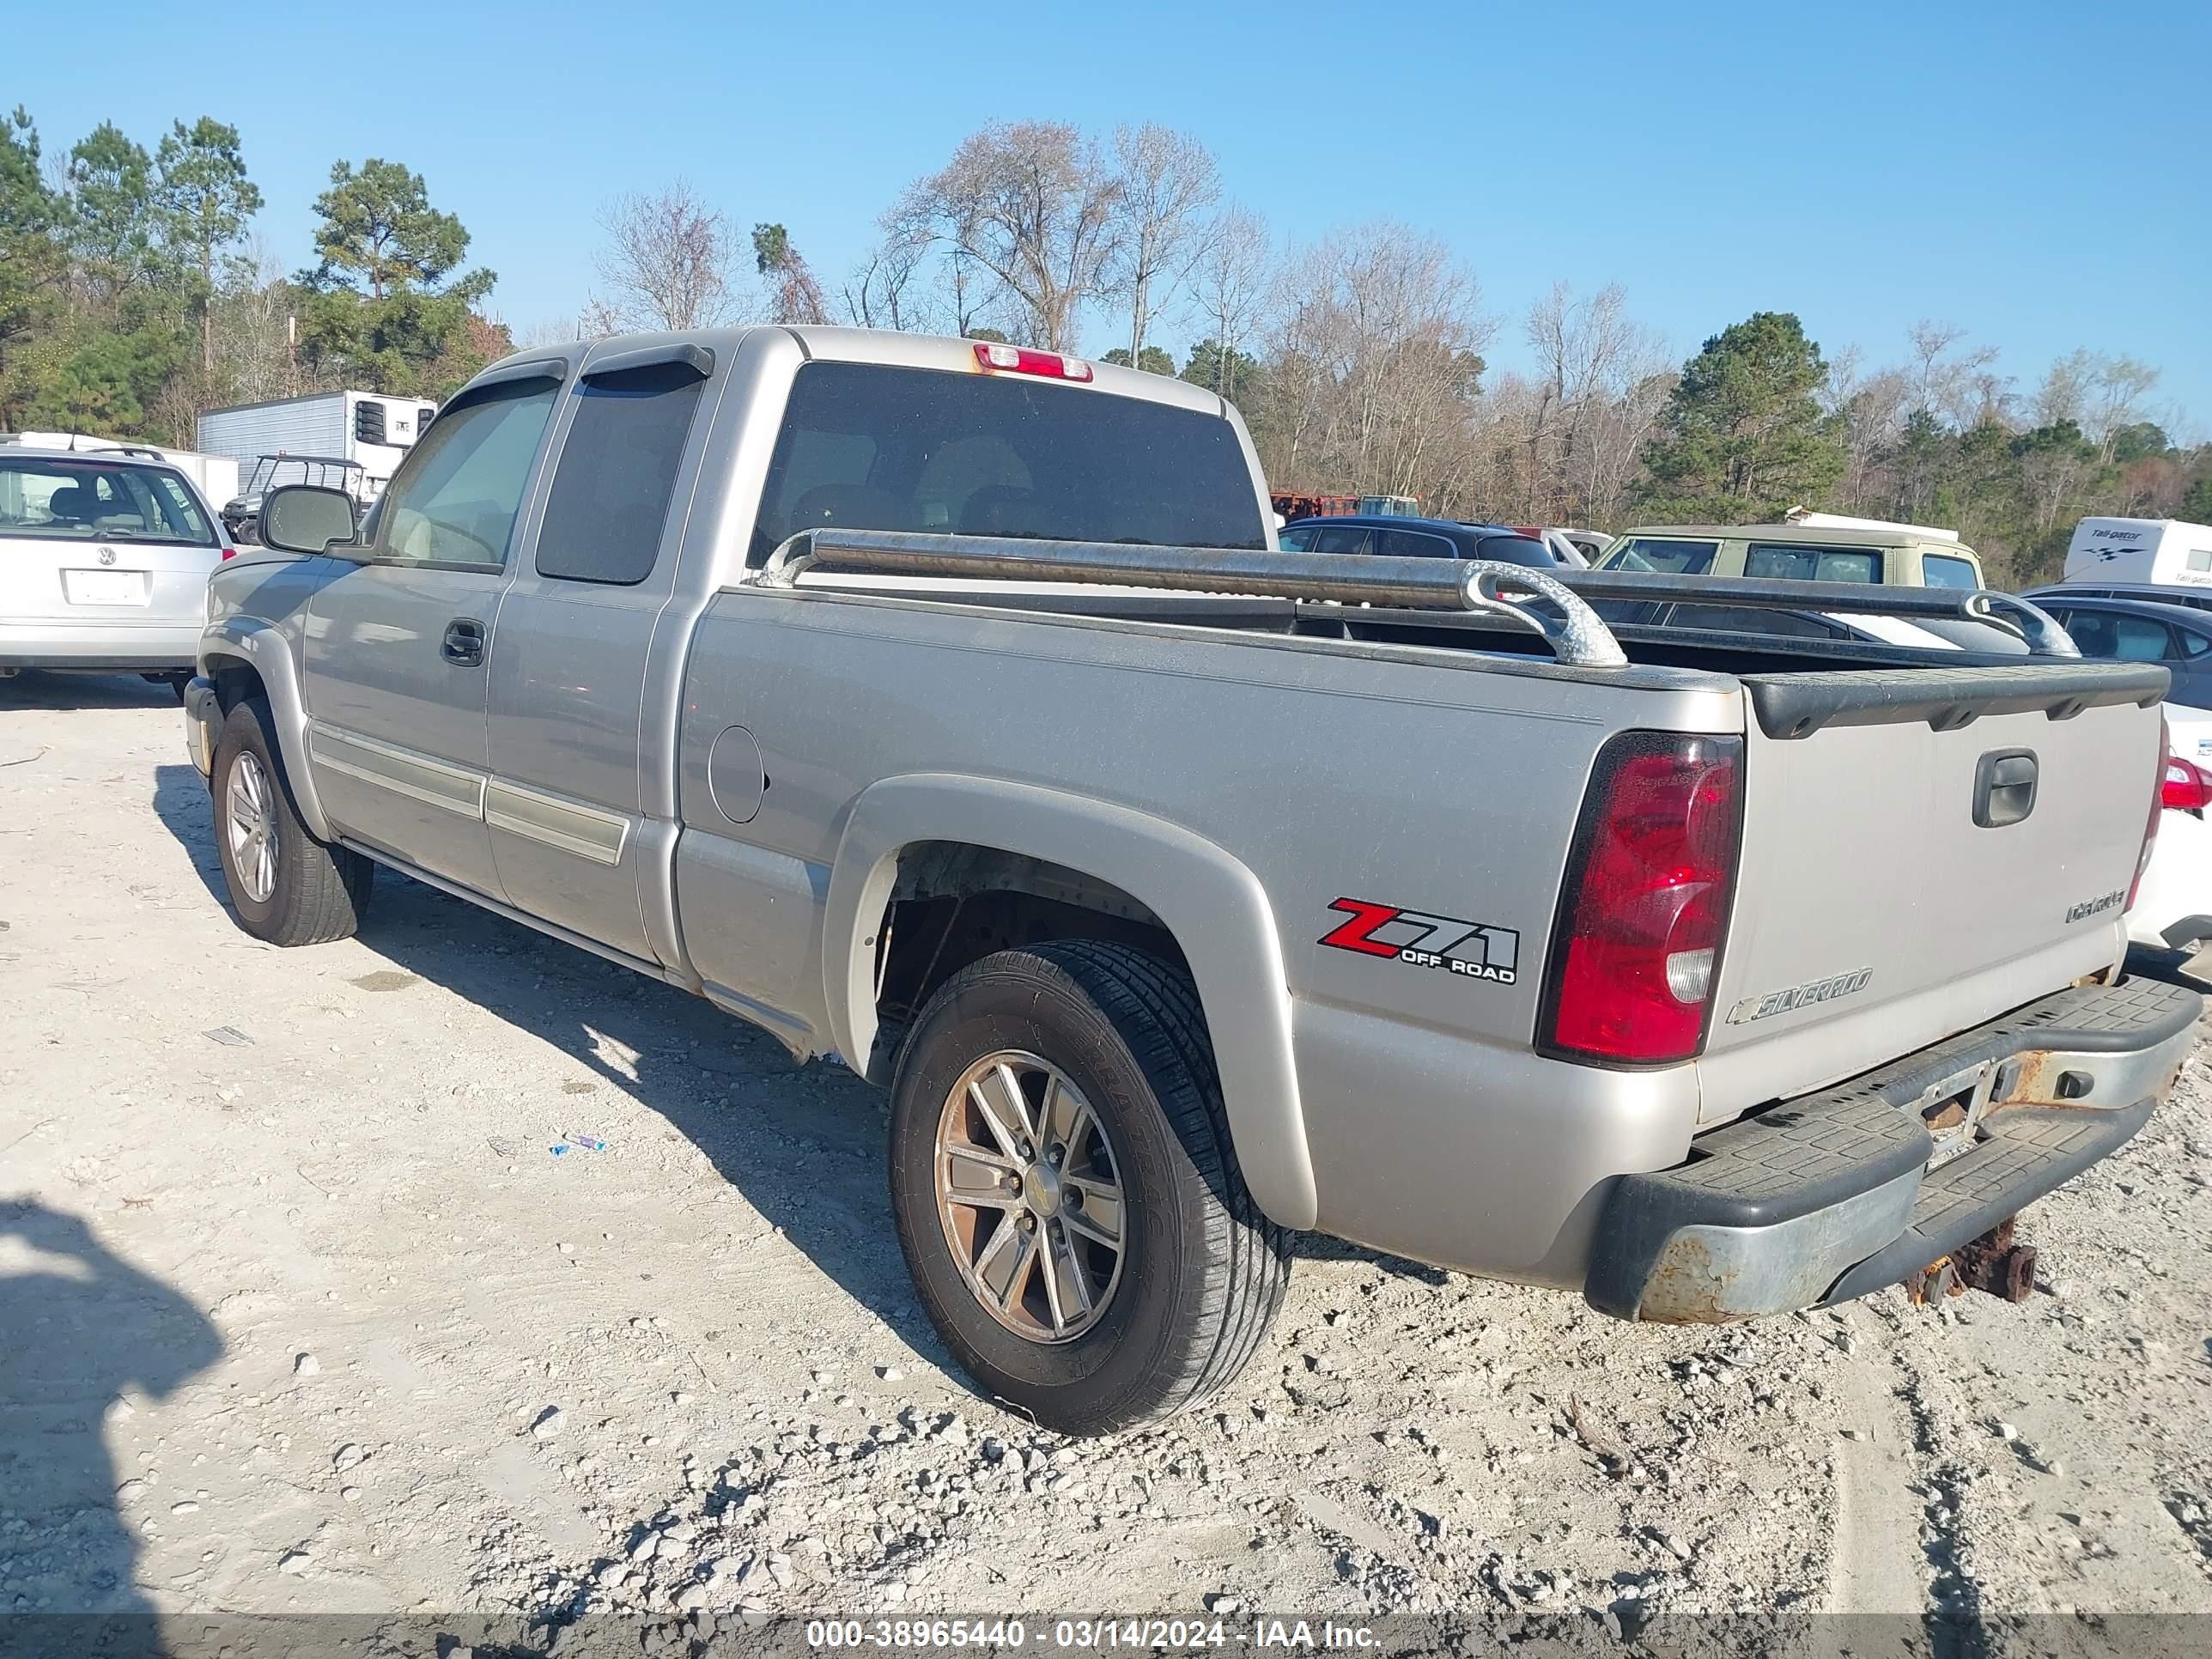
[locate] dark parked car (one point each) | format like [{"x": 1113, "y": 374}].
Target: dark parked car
[
  {"x": 1415, "y": 538},
  {"x": 2196, "y": 598},
  {"x": 2179, "y": 637}
]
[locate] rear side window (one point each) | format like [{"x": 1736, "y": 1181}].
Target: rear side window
[
  {"x": 1743, "y": 619},
  {"x": 1341, "y": 538},
  {"x": 868, "y": 447},
  {"x": 1299, "y": 540},
  {"x": 1942, "y": 570},
  {"x": 1515, "y": 550},
  {"x": 1412, "y": 545},
  {"x": 2113, "y": 636},
  {"x": 612, "y": 491},
  {"x": 1664, "y": 554},
  {"x": 1770, "y": 561}
]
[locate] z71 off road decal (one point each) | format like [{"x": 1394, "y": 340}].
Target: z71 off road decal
[{"x": 1473, "y": 950}]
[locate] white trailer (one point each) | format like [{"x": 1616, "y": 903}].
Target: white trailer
[
  {"x": 2169, "y": 551},
  {"x": 375, "y": 429}
]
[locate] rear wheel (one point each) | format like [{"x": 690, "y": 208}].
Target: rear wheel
[
  {"x": 1065, "y": 1192},
  {"x": 287, "y": 887}
]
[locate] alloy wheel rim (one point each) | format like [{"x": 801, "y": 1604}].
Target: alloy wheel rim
[
  {"x": 250, "y": 826},
  {"x": 1029, "y": 1197}
]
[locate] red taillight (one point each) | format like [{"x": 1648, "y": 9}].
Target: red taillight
[
  {"x": 229, "y": 553},
  {"x": 2186, "y": 787},
  {"x": 1637, "y": 942},
  {"x": 1020, "y": 360},
  {"x": 2157, "y": 806}
]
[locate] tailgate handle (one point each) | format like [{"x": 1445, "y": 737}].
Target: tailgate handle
[{"x": 2004, "y": 788}]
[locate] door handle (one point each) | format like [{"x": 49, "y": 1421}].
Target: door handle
[
  {"x": 2004, "y": 788},
  {"x": 463, "y": 643}
]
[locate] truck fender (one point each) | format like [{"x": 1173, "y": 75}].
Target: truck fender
[
  {"x": 1215, "y": 908},
  {"x": 263, "y": 648}
]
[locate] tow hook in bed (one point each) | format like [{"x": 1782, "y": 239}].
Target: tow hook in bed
[{"x": 1992, "y": 1262}]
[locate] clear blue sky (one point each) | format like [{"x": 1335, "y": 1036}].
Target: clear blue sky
[{"x": 2035, "y": 172}]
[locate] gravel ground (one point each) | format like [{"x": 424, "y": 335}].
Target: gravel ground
[{"x": 303, "y": 1313}]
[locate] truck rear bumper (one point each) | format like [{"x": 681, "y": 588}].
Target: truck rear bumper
[{"x": 1825, "y": 1197}]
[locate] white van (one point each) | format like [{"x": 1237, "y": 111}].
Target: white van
[{"x": 2161, "y": 551}]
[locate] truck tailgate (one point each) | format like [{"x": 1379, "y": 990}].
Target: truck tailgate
[{"x": 1874, "y": 913}]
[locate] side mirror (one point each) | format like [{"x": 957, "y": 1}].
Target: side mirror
[{"x": 306, "y": 518}]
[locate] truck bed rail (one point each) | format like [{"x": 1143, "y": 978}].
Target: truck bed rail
[{"x": 1516, "y": 594}]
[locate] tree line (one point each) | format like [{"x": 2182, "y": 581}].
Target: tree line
[{"x": 133, "y": 292}]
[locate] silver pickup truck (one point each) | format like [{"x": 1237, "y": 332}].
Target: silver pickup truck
[{"x": 947, "y": 708}]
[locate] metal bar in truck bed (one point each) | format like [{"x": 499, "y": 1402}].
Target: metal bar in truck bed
[
  {"x": 1577, "y": 636},
  {"x": 2008, "y": 611},
  {"x": 1582, "y": 639}
]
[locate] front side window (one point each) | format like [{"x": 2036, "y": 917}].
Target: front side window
[
  {"x": 1773, "y": 561},
  {"x": 455, "y": 500},
  {"x": 1299, "y": 540},
  {"x": 610, "y": 501},
  {"x": 866, "y": 447},
  {"x": 54, "y": 500},
  {"x": 1942, "y": 570},
  {"x": 1663, "y": 555}
]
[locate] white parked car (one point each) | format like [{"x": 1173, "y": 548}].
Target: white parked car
[
  {"x": 2173, "y": 900},
  {"x": 104, "y": 563}
]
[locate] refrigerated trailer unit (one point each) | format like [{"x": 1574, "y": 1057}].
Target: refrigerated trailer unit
[{"x": 371, "y": 428}]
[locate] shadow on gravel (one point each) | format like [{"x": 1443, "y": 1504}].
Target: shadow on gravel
[
  {"x": 35, "y": 689},
  {"x": 81, "y": 1328},
  {"x": 804, "y": 1144}
]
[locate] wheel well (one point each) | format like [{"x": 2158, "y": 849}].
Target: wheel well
[
  {"x": 954, "y": 904},
  {"x": 235, "y": 680}
]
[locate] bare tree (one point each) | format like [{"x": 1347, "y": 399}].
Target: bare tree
[
  {"x": 1034, "y": 205},
  {"x": 881, "y": 293},
  {"x": 1941, "y": 383},
  {"x": 666, "y": 264},
  {"x": 1869, "y": 412},
  {"x": 1590, "y": 357},
  {"x": 1378, "y": 364},
  {"x": 1232, "y": 284},
  {"x": 1167, "y": 186},
  {"x": 2118, "y": 389},
  {"x": 2064, "y": 393},
  {"x": 251, "y": 323}
]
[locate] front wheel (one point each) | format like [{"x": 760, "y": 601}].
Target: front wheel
[
  {"x": 287, "y": 887},
  {"x": 1065, "y": 1192}
]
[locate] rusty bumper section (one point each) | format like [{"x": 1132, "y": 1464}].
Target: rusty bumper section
[{"x": 1823, "y": 1199}]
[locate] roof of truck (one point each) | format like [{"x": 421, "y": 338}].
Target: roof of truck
[
  {"x": 889, "y": 347},
  {"x": 1810, "y": 535}
]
